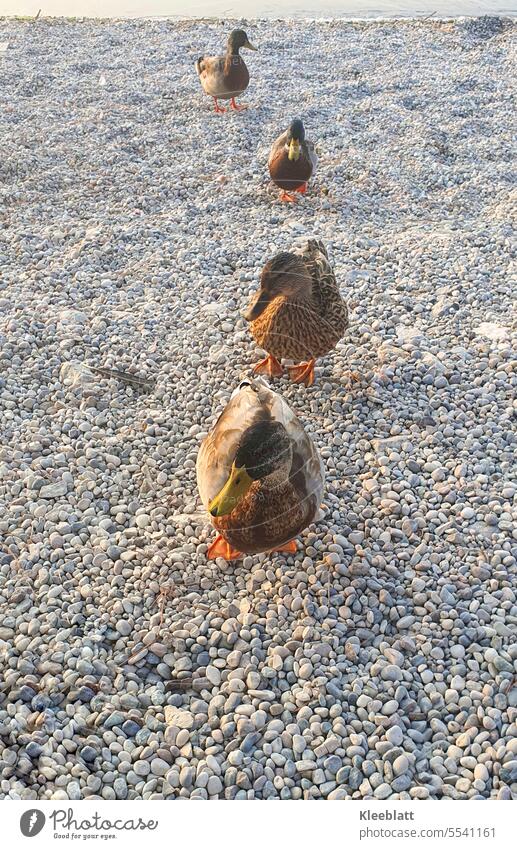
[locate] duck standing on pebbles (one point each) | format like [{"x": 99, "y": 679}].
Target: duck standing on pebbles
[
  {"x": 259, "y": 474},
  {"x": 298, "y": 312},
  {"x": 226, "y": 77},
  {"x": 292, "y": 161}
]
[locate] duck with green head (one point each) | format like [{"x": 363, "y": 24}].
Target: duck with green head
[
  {"x": 292, "y": 161},
  {"x": 259, "y": 474},
  {"x": 226, "y": 77}
]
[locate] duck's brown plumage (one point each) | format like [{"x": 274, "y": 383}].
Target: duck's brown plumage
[
  {"x": 223, "y": 77},
  {"x": 305, "y": 316}
]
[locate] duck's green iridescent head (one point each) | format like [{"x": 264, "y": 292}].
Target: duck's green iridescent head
[
  {"x": 263, "y": 448},
  {"x": 295, "y": 135},
  {"x": 238, "y": 39}
]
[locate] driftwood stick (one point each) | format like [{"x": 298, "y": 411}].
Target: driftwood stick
[{"x": 124, "y": 377}]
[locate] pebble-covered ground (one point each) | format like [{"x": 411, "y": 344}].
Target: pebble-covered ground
[{"x": 380, "y": 661}]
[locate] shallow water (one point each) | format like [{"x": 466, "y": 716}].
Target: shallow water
[{"x": 258, "y": 8}]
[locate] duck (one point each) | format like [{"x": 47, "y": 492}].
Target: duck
[
  {"x": 292, "y": 161},
  {"x": 297, "y": 313},
  {"x": 259, "y": 474},
  {"x": 226, "y": 77}
]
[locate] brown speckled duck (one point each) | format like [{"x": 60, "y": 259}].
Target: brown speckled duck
[
  {"x": 259, "y": 474},
  {"x": 298, "y": 312},
  {"x": 292, "y": 161},
  {"x": 226, "y": 77}
]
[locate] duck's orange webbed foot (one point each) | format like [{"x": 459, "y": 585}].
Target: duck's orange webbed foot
[
  {"x": 290, "y": 547},
  {"x": 302, "y": 373},
  {"x": 236, "y": 107},
  {"x": 269, "y": 366},
  {"x": 302, "y": 189},
  {"x": 221, "y": 548},
  {"x": 288, "y": 197},
  {"x": 218, "y": 109}
]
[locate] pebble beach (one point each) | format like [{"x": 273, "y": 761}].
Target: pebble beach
[{"x": 380, "y": 661}]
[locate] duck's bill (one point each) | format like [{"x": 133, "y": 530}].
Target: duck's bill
[
  {"x": 294, "y": 150},
  {"x": 250, "y": 46},
  {"x": 257, "y": 306},
  {"x": 232, "y": 492}
]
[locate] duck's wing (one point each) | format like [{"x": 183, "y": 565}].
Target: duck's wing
[
  {"x": 209, "y": 64},
  {"x": 211, "y": 70},
  {"x": 277, "y": 149},
  {"x": 324, "y": 285},
  {"x": 307, "y": 472},
  {"x": 218, "y": 450},
  {"x": 310, "y": 153}
]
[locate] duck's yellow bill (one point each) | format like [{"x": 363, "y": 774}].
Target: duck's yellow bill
[
  {"x": 250, "y": 46},
  {"x": 294, "y": 150},
  {"x": 232, "y": 492}
]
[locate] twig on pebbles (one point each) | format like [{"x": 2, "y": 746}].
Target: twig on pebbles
[
  {"x": 124, "y": 377},
  {"x": 178, "y": 685},
  {"x": 166, "y": 593}
]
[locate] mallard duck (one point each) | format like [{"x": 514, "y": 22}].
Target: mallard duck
[
  {"x": 226, "y": 77},
  {"x": 259, "y": 474},
  {"x": 292, "y": 161},
  {"x": 298, "y": 312}
]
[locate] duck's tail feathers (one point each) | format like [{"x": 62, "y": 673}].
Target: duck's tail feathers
[
  {"x": 316, "y": 246},
  {"x": 199, "y": 65}
]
